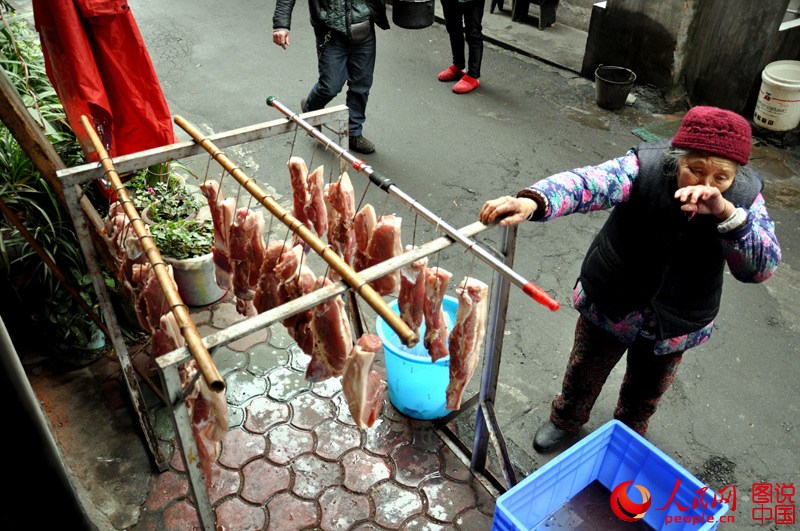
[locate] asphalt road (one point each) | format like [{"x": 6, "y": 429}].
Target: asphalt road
[{"x": 731, "y": 417}]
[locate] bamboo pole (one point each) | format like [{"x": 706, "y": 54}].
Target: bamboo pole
[
  {"x": 353, "y": 279},
  {"x": 193, "y": 340}
]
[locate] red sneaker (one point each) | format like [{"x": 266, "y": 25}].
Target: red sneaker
[
  {"x": 466, "y": 84},
  {"x": 452, "y": 73}
]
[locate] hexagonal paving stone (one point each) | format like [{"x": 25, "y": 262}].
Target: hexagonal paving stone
[
  {"x": 447, "y": 498},
  {"x": 225, "y": 315},
  {"x": 224, "y": 482},
  {"x": 474, "y": 520},
  {"x": 312, "y": 475},
  {"x": 327, "y": 388},
  {"x": 334, "y": 439},
  {"x": 181, "y": 516},
  {"x": 414, "y": 465},
  {"x": 309, "y": 410},
  {"x": 486, "y": 501},
  {"x": 299, "y": 359},
  {"x": 287, "y": 442},
  {"x": 362, "y": 471},
  {"x": 166, "y": 487},
  {"x": 394, "y": 504},
  {"x": 392, "y": 413},
  {"x": 235, "y": 416},
  {"x": 262, "y": 480},
  {"x": 385, "y": 436},
  {"x": 241, "y": 386},
  {"x": 343, "y": 410},
  {"x": 341, "y": 509},
  {"x": 263, "y": 413},
  {"x": 425, "y": 437},
  {"x": 454, "y": 468},
  {"x": 423, "y": 523},
  {"x": 240, "y": 446},
  {"x": 264, "y": 357},
  {"x": 279, "y": 336},
  {"x": 247, "y": 342},
  {"x": 285, "y": 383},
  {"x": 228, "y": 360},
  {"x": 289, "y": 512},
  {"x": 236, "y": 514}
]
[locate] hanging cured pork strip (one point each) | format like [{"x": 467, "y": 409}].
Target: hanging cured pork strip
[
  {"x": 222, "y": 213},
  {"x": 436, "y": 280},
  {"x": 247, "y": 249},
  {"x": 341, "y": 206},
  {"x": 467, "y": 337},
  {"x": 208, "y": 410},
  {"x": 363, "y": 227},
  {"x": 146, "y": 295},
  {"x": 385, "y": 243},
  {"x": 269, "y": 292},
  {"x": 298, "y": 177},
  {"x": 411, "y": 299},
  {"x": 296, "y": 279},
  {"x": 315, "y": 205},
  {"x": 363, "y": 386},
  {"x": 332, "y": 338}
]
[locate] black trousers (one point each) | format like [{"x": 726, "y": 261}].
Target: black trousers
[{"x": 463, "y": 22}]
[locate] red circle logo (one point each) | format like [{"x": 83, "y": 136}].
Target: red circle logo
[{"x": 626, "y": 509}]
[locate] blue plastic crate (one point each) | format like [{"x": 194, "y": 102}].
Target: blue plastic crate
[{"x": 611, "y": 455}]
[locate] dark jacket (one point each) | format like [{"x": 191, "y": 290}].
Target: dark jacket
[
  {"x": 651, "y": 254},
  {"x": 336, "y": 15}
]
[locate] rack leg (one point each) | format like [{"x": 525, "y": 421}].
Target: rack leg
[
  {"x": 173, "y": 389},
  {"x": 72, "y": 196},
  {"x": 491, "y": 366}
]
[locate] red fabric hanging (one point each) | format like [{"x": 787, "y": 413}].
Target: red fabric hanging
[{"x": 99, "y": 67}]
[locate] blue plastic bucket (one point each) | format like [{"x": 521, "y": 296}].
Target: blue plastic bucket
[{"x": 417, "y": 386}]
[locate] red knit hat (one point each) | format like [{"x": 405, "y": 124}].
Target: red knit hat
[{"x": 716, "y": 131}]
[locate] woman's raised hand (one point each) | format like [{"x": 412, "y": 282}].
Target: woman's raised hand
[{"x": 704, "y": 200}]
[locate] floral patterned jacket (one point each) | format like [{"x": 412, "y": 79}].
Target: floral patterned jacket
[{"x": 752, "y": 254}]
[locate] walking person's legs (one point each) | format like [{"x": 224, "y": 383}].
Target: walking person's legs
[
  {"x": 360, "y": 69},
  {"x": 451, "y": 9},
  {"x": 472, "y": 14},
  {"x": 473, "y": 31},
  {"x": 332, "y": 51}
]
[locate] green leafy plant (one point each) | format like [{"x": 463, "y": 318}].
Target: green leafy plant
[
  {"x": 183, "y": 238},
  {"x": 32, "y": 293},
  {"x": 164, "y": 199}
]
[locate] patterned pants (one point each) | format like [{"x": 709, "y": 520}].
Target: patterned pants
[{"x": 594, "y": 354}]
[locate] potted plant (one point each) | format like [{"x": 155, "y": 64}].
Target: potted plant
[
  {"x": 163, "y": 198},
  {"x": 186, "y": 244}
]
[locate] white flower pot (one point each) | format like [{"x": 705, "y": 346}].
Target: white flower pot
[{"x": 196, "y": 280}]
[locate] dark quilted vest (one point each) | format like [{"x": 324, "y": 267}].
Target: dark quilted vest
[{"x": 650, "y": 254}]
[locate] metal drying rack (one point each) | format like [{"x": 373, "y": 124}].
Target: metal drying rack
[{"x": 74, "y": 180}]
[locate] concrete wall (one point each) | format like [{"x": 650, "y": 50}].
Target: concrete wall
[
  {"x": 575, "y": 13},
  {"x": 638, "y": 34},
  {"x": 728, "y": 45},
  {"x": 698, "y": 52}
]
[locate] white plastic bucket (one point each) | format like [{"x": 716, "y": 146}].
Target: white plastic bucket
[{"x": 778, "y": 105}]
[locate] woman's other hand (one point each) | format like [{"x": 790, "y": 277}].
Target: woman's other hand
[
  {"x": 509, "y": 210},
  {"x": 704, "y": 200},
  {"x": 281, "y": 38}
]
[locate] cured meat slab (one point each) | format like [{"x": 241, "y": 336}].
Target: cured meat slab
[{"x": 466, "y": 337}]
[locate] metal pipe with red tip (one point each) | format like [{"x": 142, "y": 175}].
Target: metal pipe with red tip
[{"x": 385, "y": 184}]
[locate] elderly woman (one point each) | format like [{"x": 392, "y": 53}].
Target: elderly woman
[{"x": 651, "y": 281}]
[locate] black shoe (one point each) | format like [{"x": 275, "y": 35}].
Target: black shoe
[
  {"x": 359, "y": 144},
  {"x": 548, "y": 436}
]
